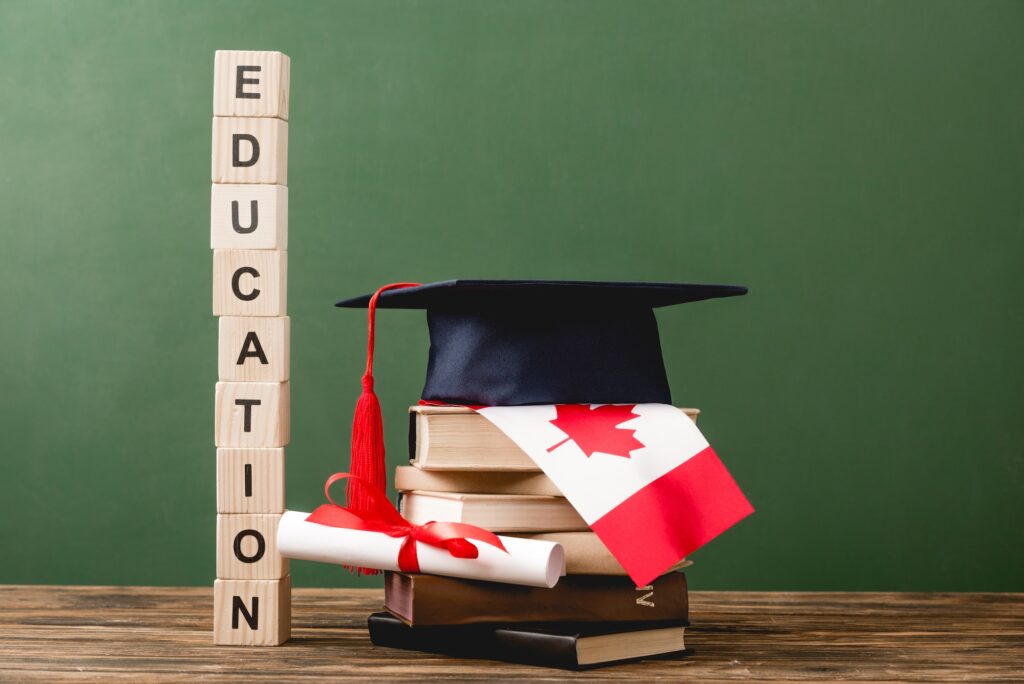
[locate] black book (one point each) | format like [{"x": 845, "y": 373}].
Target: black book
[{"x": 569, "y": 646}]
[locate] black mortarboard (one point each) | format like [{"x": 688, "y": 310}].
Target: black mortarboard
[{"x": 514, "y": 342}]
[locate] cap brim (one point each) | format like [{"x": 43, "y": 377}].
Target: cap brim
[{"x": 490, "y": 294}]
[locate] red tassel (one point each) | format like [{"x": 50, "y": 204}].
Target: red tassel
[{"x": 368, "y": 429}]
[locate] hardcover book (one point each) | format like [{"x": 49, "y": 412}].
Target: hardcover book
[
  {"x": 409, "y": 478},
  {"x": 494, "y": 512},
  {"x": 430, "y": 600},
  {"x": 562, "y": 645}
]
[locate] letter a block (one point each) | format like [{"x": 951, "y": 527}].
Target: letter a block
[
  {"x": 250, "y": 282},
  {"x": 250, "y": 480},
  {"x": 252, "y": 414},
  {"x": 249, "y": 83},
  {"x": 249, "y": 217},
  {"x": 247, "y": 547},
  {"x": 252, "y": 612},
  {"x": 254, "y": 348},
  {"x": 250, "y": 150}
]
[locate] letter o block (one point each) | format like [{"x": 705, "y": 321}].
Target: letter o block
[
  {"x": 250, "y": 150},
  {"x": 250, "y": 83},
  {"x": 252, "y": 612},
  {"x": 250, "y": 282},
  {"x": 247, "y": 547}
]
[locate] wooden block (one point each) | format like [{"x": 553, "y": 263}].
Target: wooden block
[
  {"x": 250, "y": 150},
  {"x": 247, "y": 547},
  {"x": 253, "y": 348},
  {"x": 250, "y": 480},
  {"x": 248, "y": 216},
  {"x": 250, "y": 282},
  {"x": 249, "y": 83},
  {"x": 252, "y": 414},
  {"x": 252, "y": 612}
]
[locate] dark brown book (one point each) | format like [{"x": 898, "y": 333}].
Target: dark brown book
[{"x": 430, "y": 600}]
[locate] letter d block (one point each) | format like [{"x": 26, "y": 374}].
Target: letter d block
[
  {"x": 250, "y": 282},
  {"x": 252, "y": 612},
  {"x": 248, "y": 83},
  {"x": 253, "y": 348},
  {"x": 247, "y": 547},
  {"x": 252, "y": 414},
  {"x": 249, "y": 217},
  {"x": 250, "y": 151}
]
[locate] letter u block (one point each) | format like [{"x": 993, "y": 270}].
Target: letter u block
[
  {"x": 249, "y": 217},
  {"x": 250, "y": 150},
  {"x": 250, "y": 282}
]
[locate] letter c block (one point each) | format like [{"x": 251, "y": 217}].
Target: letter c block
[{"x": 250, "y": 282}]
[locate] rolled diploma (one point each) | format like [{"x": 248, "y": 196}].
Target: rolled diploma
[{"x": 529, "y": 562}]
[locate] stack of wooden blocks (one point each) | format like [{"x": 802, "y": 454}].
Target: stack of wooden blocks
[{"x": 249, "y": 237}]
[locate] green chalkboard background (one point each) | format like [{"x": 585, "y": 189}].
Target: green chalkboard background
[{"x": 858, "y": 165}]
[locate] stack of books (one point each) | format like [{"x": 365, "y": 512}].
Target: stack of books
[{"x": 464, "y": 469}]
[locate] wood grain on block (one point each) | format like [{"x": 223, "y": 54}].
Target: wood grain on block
[
  {"x": 252, "y": 612},
  {"x": 250, "y": 83},
  {"x": 247, "y": 546},
  {"x": 252, "y": 414},
  {"x": 250, "y": 282},
  {"x": 249, "y": 150},
  {"x": 248, "y": 216},
  {"x": 250, "y": 480},
  {"x": 253, "y": 348}
]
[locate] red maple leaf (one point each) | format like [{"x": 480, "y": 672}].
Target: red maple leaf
[{"x": 596, "y": 429}]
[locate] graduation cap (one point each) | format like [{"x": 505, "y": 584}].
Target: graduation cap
[{"x": 518, "y": 342}]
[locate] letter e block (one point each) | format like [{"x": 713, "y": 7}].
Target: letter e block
[
  {"x": 250, "y": 151},
  {"x": 249, "y": 83},
  {"x": 250, "y": 480},
  {"x": 249, "y": 217},
  {"x": 250, "y": 282},
  {"x": 254, "y": 348},
  {"x": 252, "y": 612},
  {"x": 252, "y": 414},
  {"x": 247, "y": 547}
]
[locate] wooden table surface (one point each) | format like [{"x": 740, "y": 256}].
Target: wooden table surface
[{"x": 160, "y": 634}]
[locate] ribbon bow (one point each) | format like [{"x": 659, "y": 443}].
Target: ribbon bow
[{"x": 382, "y": 516}]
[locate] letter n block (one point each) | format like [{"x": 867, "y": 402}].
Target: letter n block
[
  {"x": 254, "y": 348},
  {"x": 250, "y": 282},
  {"x": 248, "y": 216},
  {"x": 252, "y": 414},
  {"x": 247, "y": 150},
  {"x": 247, "y": 547},
  {"x": 249, "y": 83},
  {"x": 250, "y": 480},
  {"x": 252, "y": 612}
]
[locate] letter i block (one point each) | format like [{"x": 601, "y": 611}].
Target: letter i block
[
  {"x": 252, "y": 414},
  {"x": 250, "y": 480},
  {"x": 250, "y": 282},
  {"x": 247, "y": 150},
  {"x": 249, "y": 83},
  {"x": 247, "y": 547},
  {"x": 252, "y": 612},
  {"x": 249, "y": 217},
  {"x": 254, "y": 348}
]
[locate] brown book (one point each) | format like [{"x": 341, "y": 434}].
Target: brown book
[
  {"x": 408, "y": 478},
  {"x": 585, "y": 554},
  {"x": 494, "y": 512},
  {"x": 431, "y": 600},
  {"x": 458, "y": 438}
]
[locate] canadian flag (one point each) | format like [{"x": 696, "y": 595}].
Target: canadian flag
[{"x": 641, "y": 475}]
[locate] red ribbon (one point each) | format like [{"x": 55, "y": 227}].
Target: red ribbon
[{"x": 382, "y": 516}]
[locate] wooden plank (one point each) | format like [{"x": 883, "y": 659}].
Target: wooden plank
[
  {"x": 250, "y": 480},
  {"x": 251, "y": 83},
  {"x": 250, "y": 282},
  {"x": 254, "y": 348},
  {"x": 252, "y": 414},
  {"x": 248, "y": 216},
  {"x": 247, "y": 547},
  {"x": 163, "y": 634},
  {"x": 249, "y": 150}
]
